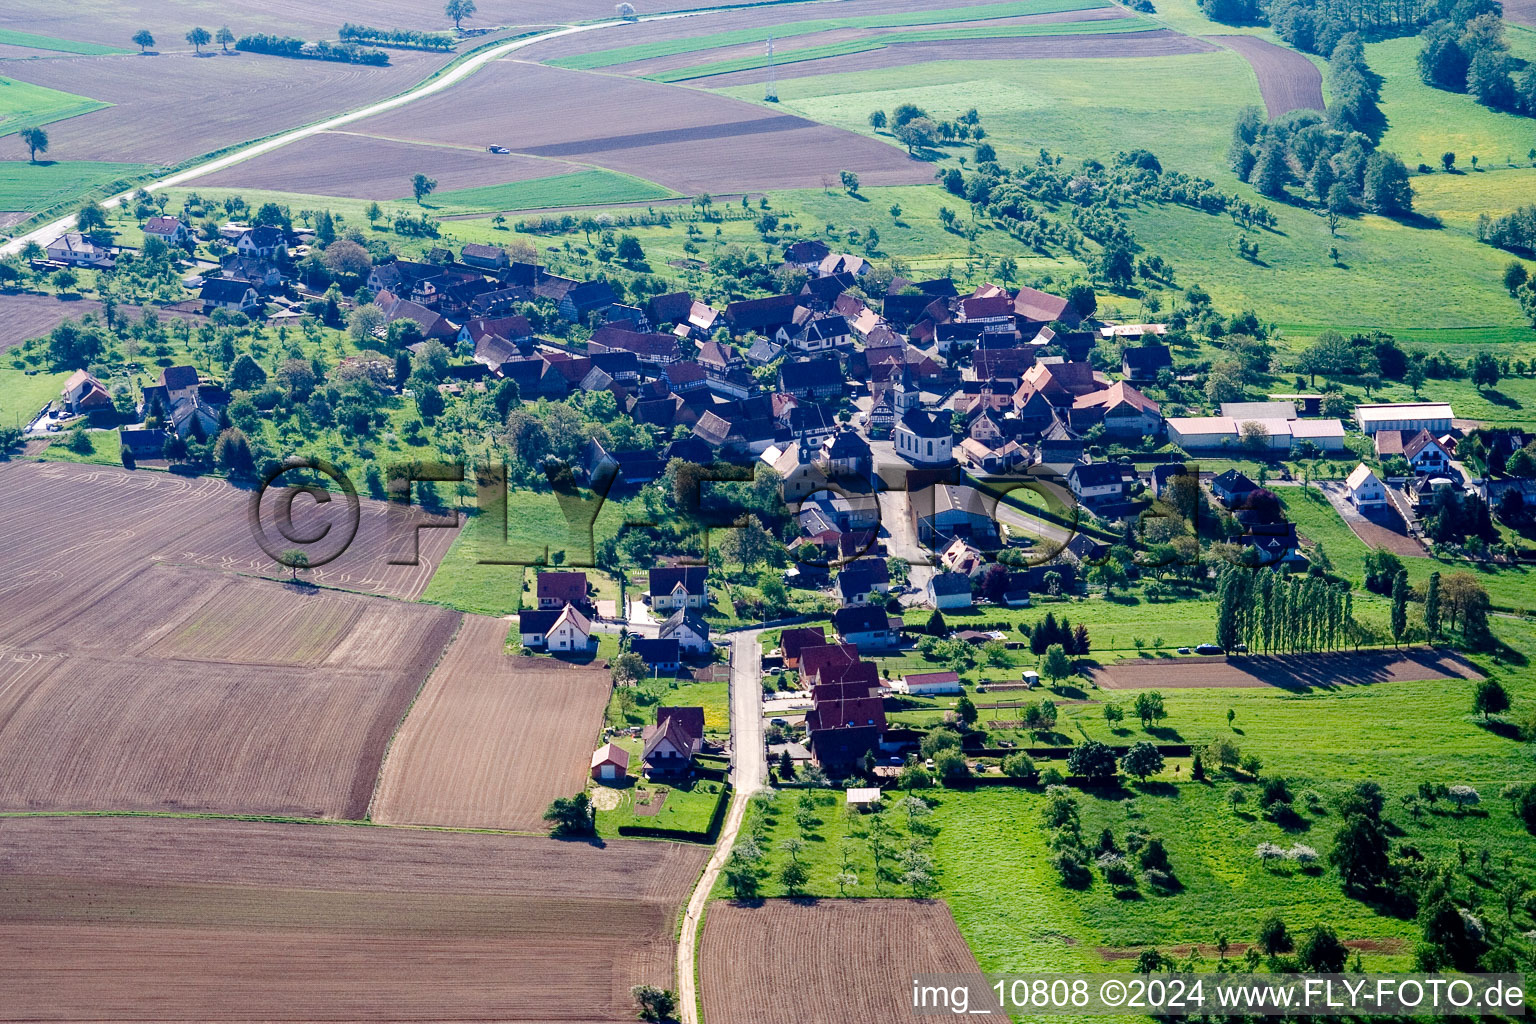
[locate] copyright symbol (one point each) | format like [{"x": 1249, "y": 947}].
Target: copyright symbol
[
  {"x": 1112, "y": 993},
  {"x": 310, "y": 532}
]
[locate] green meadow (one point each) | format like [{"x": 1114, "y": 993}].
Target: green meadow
[
  {"x": 23, "y": 105},
  {"x": 582, "y": 188},
  {"x": 35, "y": 187},
  {"x": 9, "y": 37}
]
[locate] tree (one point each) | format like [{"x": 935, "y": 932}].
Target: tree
[
  {"x": 919, "y": 133},
  {"x": 1083, "y": 299},
  {"x": 1141, "y": 760},
  {"x": 1387, "y": 191},
  {"x": 1432, "y": 607},
  {"x": 1114, "y": 714},
  {"x": 423, "y": 186},
  {"x": 850, "y": 182},
  {"x": 1273, "y": 937},
  {"x": 572, "y": 815},
  {"x": 1484, "y": 370},
  {"x": 1399, "y": 607},
  {"x": 794, "y": 876},
  {"x": 1092, "y": 760},
  {"x": 655, "y": 1004},
  {"x": 199, "y": 38},
  {"x": 629, "y": 250},
  {"x": 1149, "y": 707},
  {"x": 458, "y": 10},
  {"x": 1490, "y": 698},
  {"x": 1057, "y": 665},
  {"x": 224, "y": 37},
  {"x": 1271, "y": 173},
  {"x": 965, "y": 710},
  {"x": 36, "y": 141},
  {"x": 877, "y": 119},
  {"x": 295, "y": 560},
  {"x": 843, "y": 880},
  {"x": 1448, "y": 161},
  {"x": 91, "y": 218},
  {"x": 143, "y": 40},
  {"x": 1360, "y": 852}
]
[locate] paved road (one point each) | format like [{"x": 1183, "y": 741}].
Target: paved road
[
  {"x": 749, "y": 773},
  {"x": 49, "y": 232}
]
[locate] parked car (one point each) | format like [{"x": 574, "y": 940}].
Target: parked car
[
  {"x": 1209, "y": 649},
  {"x": 1183, "y": 650},
  {"x": 1239, "y": 648},
  {"x": 499, "y": 150}
]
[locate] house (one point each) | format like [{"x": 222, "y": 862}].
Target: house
[
  {"x": 1426, "y": 454},
  {"x": 818, "y": 334},
  {"x": 659, "y": 655},
  {"x": 1231, "y": 486},
  {"x": 929, "y": 684},
  {"x": 585, "y": 299},
  {"x": 861, "y": 680},
  {"x": 1097, "y": 483},
  {"x": 76, "y": 250},
  {"x": 949, "y": 590},
  {"x": 854, "y": 588},
  {"x": 671, "y": 743},
  {"x": 679, "y": 587},
  {"x": 1123, "y": 411},
  {"x": 1032, "y": 306},
  {"x": 819, "y": 379},
  {"x": 486, "y": 257},
  {"x": 533, "y": 627},
  {"x": 792, "y": 641},
  {"x": 924, "y": 438},
  {"x": 834, "y": 264},
  {"x": 689, "y": 629},
  {"x": 266, "y": 241},
  {"x": 223, "y": 293},
  {"x": 558, "y": 589},
  {"x": 1435, "y": 417},
  {"x": 85, "y": 394},
  {"x": 764, "y": 316},
  {"x": 807, "y": 254},
  {"x": 658, "y": 350},
  {"x": 1163, "y": 476},
  {"x": 866, "y": 627},
  {"x": 953, "y": 510},
  {"x": 143, "y": 442},
  {"x": 827, "y": 663},
  {"x": 570, "y": 633},
  {"x": 431, "y": 323},
  {"x": 610, "y": 763},
  {"x": 265, "y": 275},
  {"x": 841, "y": 732},
  {"x": 1365, "y": 490},
  {"x": 1142, "y": 363},
  {"x": 961, "y": 557},
  {"x": 173, "y": 231},
  {"x": 846, "y": 454}
]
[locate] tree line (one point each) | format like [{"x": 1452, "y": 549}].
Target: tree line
[
  {"x": 406, "y": 39},
  {"x": 1272, "y": 614},
  {"x": 288, "y": 46},
  {"x": 1465, "y": 51}
]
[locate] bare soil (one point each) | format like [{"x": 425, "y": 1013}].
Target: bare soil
[
  {"x": 1156, "y": 43},
  {"x": 685, "y": 139},
  {"x": 1298, "y": 672},
  {"x": 1287, "y": 79},
  {"x": 853, "y": 959},
  {"x": 145, "y": 919},
  {"x": 493, "y": 738},
  {"x": 362, "y": 167}
]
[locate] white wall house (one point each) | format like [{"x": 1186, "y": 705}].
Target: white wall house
[{"x": 1365, "y": 490}]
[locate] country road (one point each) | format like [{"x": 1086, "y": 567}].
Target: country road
[
  {"x": 49, "y": 232},
  {"x": 749, "y": 773}
]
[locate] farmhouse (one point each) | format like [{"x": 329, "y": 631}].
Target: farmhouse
[
  {"x": 1434, "y": 417},
  {"x": 610, "y": 763},
  {"x": 75, "y": 250},
  {"x": 266, "y": 241},
  {"x": 173, "y": 231},
  {"x": 1426, "y": 454},
  {"x": 1124, "y": 412},
  {"x": 1365, "y": 490},
  {"x": 1232, "y": 486},
  {"x": 486, "y": 257},
  {"x": 85, "y": 394},
  {"x": 841, "y": 732},
  {"x": 223, "y": 293},
  {"x": 820, "y": 378},
  {"x": 1142, "y": 363}
]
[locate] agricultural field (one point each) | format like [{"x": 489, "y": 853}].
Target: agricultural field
[
  {"x": 29, "y": 106},
  {"x": 1297, "y": 673},
  {"x": 493, "y": 738},
  {"x": 646, "y": 130},
  {"x": 138, "y": 918},
  {"x": 854, "y": 958},
  {"x": 190, "y": 690},
  {"x": 1287, "y": 79}
]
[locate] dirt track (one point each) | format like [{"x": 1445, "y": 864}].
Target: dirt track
[
  {"x": 1297, "y": 672},
  {"x": 493, "y": 738},
  {"x": 154, "y": 919},
  {"x": 1155, "y": 43},
  {"x": 1287, "y": 80},
  {"x": 853, "y": 959}
]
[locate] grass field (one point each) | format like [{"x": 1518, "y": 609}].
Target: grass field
[
  {"x": 1182, "y": 107},
  {"x": 27, "y": 39},
  {"x": 1120, "y": 26},
  {"x": 26, "y": 186},
  {"x": 687, "y": 806},
  {"x": 715, "y": 40},
  {"x": 714, "y": 698},
  {"x": 1457, "y": 199},
  {"x": 584, "y": 188},
  {"x": 1426, "y": 122},
  {"x": 21, "y": 394},
  {"x": 23, "y": 105}
]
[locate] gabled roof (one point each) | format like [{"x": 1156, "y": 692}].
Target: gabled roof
[
  {"x": 162, "y": 225},
  {"x": 1117, "y": 394},
  {"x": 690, "y": 718},
  {"x": 945, "y": 584},
  {"x": 611, "y": 753},
  {"x": 926, "y": 425},
  {"x": 793, "y": 641},
  {"x": 670, "y": 731},
  {"x": 1145, "y": 360},
  {"x": 811, "y": 373},
  {"x": 1098, "y": 474},
  {"x": 566, "y": 587},
  {"x": 685, "y": 616},
  {"x": 1043, "y": 307},
  {"x": 827, "y": 662},
  {"x": 1234, "y": 482},
  {"x": 851, "y": 585},
  {"x": 656, "y": 650},
  {"x": 1359, "y": 476},
  {"x": 224, "y": 289},
  {"x": 862, "y": 712},
  {"x": 756, "y": 314},
  {"x": 692, "y": 577},
  {"x": 1423, "y": 439},
  {"x": 860, "y": 620},
  {"x": 529, "y": 622},
  {"x": 571, "y": 617}
]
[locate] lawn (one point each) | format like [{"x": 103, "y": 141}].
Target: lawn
[
  {"x": 583, "y": 188},
  {"x": 786, "y": 57},
  {"x": 9, "y": 37},
  {"x": 1181, "y": 107},
  {"x": 1426, "y": 122},
  {"x": 23, "y": 105},
  {"x": 37, "y": 187},
  {"x": 714, "y": 698},
  {"x": 1456, "y": 200},
  {"x": 715, "y": 40},
  {"x": 106, "y": 449},
  {"x": 22, "y": 393},
  {"x": 685, "y": 806}
]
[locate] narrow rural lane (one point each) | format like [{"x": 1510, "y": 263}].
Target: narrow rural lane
[
  {"x": 456, "y": 74},
  {"x": 749, "y": 773}
]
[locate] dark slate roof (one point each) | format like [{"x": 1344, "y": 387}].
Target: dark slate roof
[
  {"x": 656, "y": 651},
  {"x": 860, "y": 620},
  {"x": 926, "y": 424},
  {"x": 692, "y": 577},
  {"x": 946, "y": 583}
]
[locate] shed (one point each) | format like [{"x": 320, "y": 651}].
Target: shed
[{"x": 610, "y": 762}]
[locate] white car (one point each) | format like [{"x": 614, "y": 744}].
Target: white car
[{"x": 498, "y": 150}]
